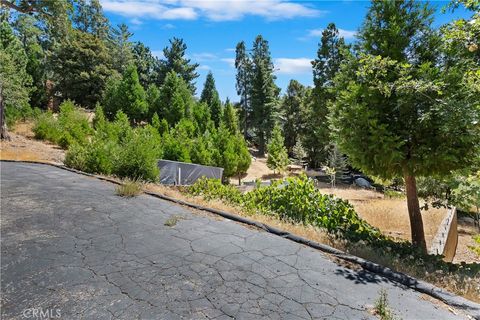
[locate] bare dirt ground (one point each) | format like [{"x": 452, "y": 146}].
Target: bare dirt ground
[
  {"x": 23, "y": 146},
  {"x": 466, "y": 230}
]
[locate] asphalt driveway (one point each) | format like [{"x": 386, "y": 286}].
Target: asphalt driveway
[{"x": 72, "y": 249}]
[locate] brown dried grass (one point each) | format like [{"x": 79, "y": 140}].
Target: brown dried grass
[{"x": 389, "y": 215}]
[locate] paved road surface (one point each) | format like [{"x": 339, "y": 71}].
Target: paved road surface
[{"x": 71, "y": 248}]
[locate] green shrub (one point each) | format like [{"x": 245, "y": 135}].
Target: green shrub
[
  {"x": 46, "y": 127},
  {"x": 70, "y": 127},
  {"x": 74, "y": 125},
  {"x": 14, "y": 114},
  {"x": 76, "y": 157},
  {"x": 139, "y": 155},
  {"x": 296, "y": 200}
]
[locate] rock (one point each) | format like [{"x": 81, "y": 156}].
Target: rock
[{"x": 362, "y": 183}]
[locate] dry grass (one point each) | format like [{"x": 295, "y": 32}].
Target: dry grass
[
  {"x": 23, "y": 147},
  {"x": 308, "y": 232},
  {"x": 129, "y": 188},
  {"x": 466, "y": 231},
  {"x": 389, "y": 215}
]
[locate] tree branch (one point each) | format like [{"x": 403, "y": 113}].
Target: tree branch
[{"x": 30, "y": 9}]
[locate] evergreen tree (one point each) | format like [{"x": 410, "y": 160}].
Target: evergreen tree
[
  {"x": 243, "y": 64},
  {"x": 132, "y": 96},
  {"x": 244, "y": 159},
  {"x": 230, "y": 118},
  {"x": 29, "y": 33},
  {"x": 123, "y": 55},
  {"x": 201, "y": 116},
  {"x": 299, "y": 152},
  {"x": 14, "y": 79},
  {"x": 399, "y": 111},
  {"x": 175, "y": 100},
  {"x": 264, "y": 92},
  {"x": 81, "y": 67},
  {"x": 399, "y": 30},
  {"x": 146, "y": 64},
  {"x": 128, "y": 96},
  {"x": 277, "y": 159},
  {"x": 176, "y": 61},
  {"x": 332, "y": 51},
  {"x": 152, "y": 95},
  {"x": 291, "y": 109},
  {"x": 210, "y": 97},
  {"x": 89, "y": 18}
]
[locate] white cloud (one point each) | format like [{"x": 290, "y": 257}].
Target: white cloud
[
  {"x": 204, "y": 67},
  {"x": 230, "y": 61},
  {"x": 204, "y": 56},
  {"x": 210, "y": 9},
  {"x": 168, "y": 26},
  {"x": 293, "y": 65},
  {"x": 148, "y": 9},
  {"x": 230, "y": 49},
  {"x": 347, "y": 34},
  {"x": 136, "y": 21}
]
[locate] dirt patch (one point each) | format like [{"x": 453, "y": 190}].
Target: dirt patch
[
  {"x": 466, "y": 231},
  {"x": 23, "y": 146}
]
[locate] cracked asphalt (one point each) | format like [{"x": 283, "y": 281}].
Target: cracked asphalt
[{"x": 69, "y": 243}]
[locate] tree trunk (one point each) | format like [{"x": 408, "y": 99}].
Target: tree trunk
[
  {"x": 416, "y": 223},
  {"x": 3, "y": 125},
  {"x": 261, "y": 144}
]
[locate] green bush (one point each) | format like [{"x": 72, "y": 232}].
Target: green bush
[
  {"x": 13, "y": 114},
  {"x": 296, "y": 200},
  {"x": 76, "y": 157},
  {"x": 118, "y": 149},
  {"x": 71, "y": 126},
  {"x": 46, "y": 127},
  {"x": 139, "y": 155}
]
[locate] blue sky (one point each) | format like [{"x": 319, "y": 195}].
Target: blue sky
[{"x": 212, "y": 28}]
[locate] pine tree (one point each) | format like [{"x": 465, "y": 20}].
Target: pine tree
[
  {"x": 89, "y": 18},
  {"x": 230, "y": 118},
  {"x": 277, "y": 159},
  {"x": 176, "y": 61},
  {"x": 332, "y": 51},
  {"x": 299, "y": 152},
  {"x": 244, "y": 159},
  {"x": 264, "y": 92},
  {"x": 175, "y": 100},
  {"x": 14, "y": 79},
  {"x": 291, "y": 109},
  {"x": 132, "y": 99},
  {"x": 201, "y": 116},
  {"x": 81, "y": 67},
  {"x": 123, "y": 54},
  {"x": 243, "y": 64},
  {"x": 210, "y": 97},
  {"x": 146, "y": 64},
  {"x": 29, "y": 33}
]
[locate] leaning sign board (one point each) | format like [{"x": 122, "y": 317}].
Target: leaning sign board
[{"x": 181, "y": 173}]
